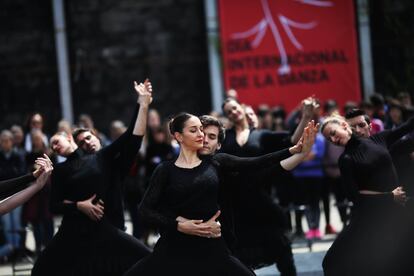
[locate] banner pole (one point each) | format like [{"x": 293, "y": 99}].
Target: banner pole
[
  {"x": 365, "y": 49},
  {"x": 216, "y": 78}
]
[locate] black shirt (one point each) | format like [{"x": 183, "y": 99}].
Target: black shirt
[
  {"x": 81, "y": 176},
  {"x": 193, "y": 193},
  {"x": 366, "y": 163}
]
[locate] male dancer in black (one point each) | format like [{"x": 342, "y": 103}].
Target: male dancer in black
[
  {"x": 89, "y": 143},
  {"x": 87, "y": 242}
]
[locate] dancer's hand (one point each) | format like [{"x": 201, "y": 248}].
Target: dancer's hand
[
  {"x": 215, "y": 226},
  {"x": 208, "y": 229},
  {"x": 94, "y": 211},
  {"x": 298, "y": 147},
  {"x": 46, "y": 169},
  {"x": 144, "y": 92},
  {"x": 309, "y": 136},
  {"x": 308, "y": 107},
  {"x": 399, "y": 195},
  {"x": 44, "y": 163}
]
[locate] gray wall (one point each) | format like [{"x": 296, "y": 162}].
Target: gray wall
[{"x": 111, "y": 43}]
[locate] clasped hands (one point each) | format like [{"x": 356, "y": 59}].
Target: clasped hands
[{"x": 206, "y": 229}]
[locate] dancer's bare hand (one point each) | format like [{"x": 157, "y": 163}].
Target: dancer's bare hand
[
  {"x": 309, "y": 136},
  {"x": 308, "y": 107},
  {"x": 214, "y": 226},
  {"x": 399, "y": 195},
  {"x": 144, "y": 92},
  {"x": 193, "y": 227},
  {"x": 43, "y": 163},
  {"x": 94, "y": 211},
  {"x": 46, "y": 169},
  {"x": 208, "y": 229}
]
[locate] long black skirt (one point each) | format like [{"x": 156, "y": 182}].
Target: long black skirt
[
  {"x": 371, "y": 243},
  {"x": 103, "y": 250},
  {"x": 185, "y": 255}
]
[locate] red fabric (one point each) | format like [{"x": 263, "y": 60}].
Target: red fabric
[{"x": 324, "y": 61}]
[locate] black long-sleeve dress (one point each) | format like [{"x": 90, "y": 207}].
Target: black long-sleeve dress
[
  {"x": 194, "y": 194},
  {"x": 260, "y": 224},
  {"x": 14, "y": 185},
  {"x": 82, "y": 246},
  {"x": 369, "y": 244}
]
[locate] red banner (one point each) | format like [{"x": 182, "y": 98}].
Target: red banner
[{"x": 278, "y": 52}]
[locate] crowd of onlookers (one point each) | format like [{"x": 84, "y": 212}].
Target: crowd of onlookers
[{"x": 300, "y": 192}]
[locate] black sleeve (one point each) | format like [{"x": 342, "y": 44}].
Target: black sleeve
[
  {"x": 404, "y": 145},
  {"x": 124, "y": 149},
  {"x": 57, "y": 196},
  {"x": 11, "y": 186},
  {"x": 149, "y": 208},
  {"x": 275, "y": 140},
  {"x": 236, "y": 164},
  {"x": 391, "y": 136}
]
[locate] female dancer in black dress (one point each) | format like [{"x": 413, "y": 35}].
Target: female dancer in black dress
[
  {"x": 368, "y": 245},
  {"x": 182, "y": 201},
  {"x": 87, "y": 243},
  {"x": 15, "y": 191},
  {"x": 260, "y": 224}
]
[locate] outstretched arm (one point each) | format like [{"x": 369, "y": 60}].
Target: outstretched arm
[
  {"x": 11, "y": 186},
  {"x": 308, "y": 108},
  {"x": 21, "y": 197},
  {"x": 287, "y": 158}
]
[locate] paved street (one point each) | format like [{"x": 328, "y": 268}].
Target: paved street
[
  {"x": 307, "y": 263},
  {"x": 308, "y": 260}
]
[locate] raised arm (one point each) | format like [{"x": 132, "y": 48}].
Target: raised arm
[
  {"x": 21, "y": 197},
  {"x": 127, "y": 145},
  {"x": 308, "y": 107}
]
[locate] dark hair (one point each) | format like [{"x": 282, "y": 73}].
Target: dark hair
[
  {"x": 377, "y": 100},
  {"x": 207, "y": 120},
  {"x": 330, "y": 104},
  {"x": 278, "y": 111},
  {"x": 262, "y": 110},
  {"x": 365, "y": 105},
  {"x": 349, "y": 105},
  {"x": 81, "y": 130},
  {"x": 176, "y": 124},
  {"x": 357, "y": 112},
  {"x": 227, "y": 100}
]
